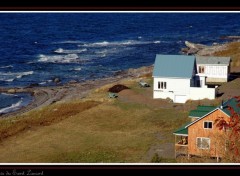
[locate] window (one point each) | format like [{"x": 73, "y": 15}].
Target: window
[
  {"x": 203, "y": 143},
  {"x": 165, "y": 85},
  {"x": 201, "y": 69},
  {"x": 207, "y": 124},
  {"x": 162, "y": 85}
]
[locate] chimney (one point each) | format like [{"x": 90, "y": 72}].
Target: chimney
[{"x": 221, "y": 105}]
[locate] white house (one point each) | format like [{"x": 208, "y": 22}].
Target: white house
[
  {"x": 175, "y": 77},
  {"x": 215, "y": 69}
]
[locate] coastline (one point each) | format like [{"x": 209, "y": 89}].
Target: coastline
[
  {"x": 46, "y": 95},
  {"x": 43, "y": 96},
  {"x": 68, "y": 122}
]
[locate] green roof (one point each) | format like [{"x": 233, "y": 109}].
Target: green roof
[
  {"x": 182, "y": 130},
  {"x": 173, "y": 66},
  {"x": 232, "y": 103},
  {"x": 201, "y": 111}
]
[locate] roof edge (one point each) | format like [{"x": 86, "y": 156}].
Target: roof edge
[{"x": 205, "y": 116}]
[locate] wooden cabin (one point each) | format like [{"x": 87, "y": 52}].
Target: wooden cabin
[{"x": 202, "y": 136}]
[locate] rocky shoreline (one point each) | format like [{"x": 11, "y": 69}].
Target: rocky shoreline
[
  {"x": 43, "y": 96},
  {"x": 202, "y": 50}
]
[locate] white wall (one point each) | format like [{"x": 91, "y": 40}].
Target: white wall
[
  {"x": 214, "y": 71},
  {"x": 163, "y": 95},
  {"x": 181, "y": 87},
  {"x": 177, "y": 86},
  {"x": 197, "y": 93}
]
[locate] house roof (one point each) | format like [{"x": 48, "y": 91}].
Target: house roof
[
  {"x": 233, "y": 102},
  {"x": 174, "y": 66},
  {"x": 182, "y": 130},
  {"x": 201, "y": 111},
  {"x": 210, "y": 60}
]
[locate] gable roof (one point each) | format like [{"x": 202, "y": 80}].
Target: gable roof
[
  {"x": 210, "y": 60},
  {"x": 224, "y": 108},
  {"x": 233, "y": 102},
  {"x": 173, "y": 66},
  {"x": 201, "y": 111}
]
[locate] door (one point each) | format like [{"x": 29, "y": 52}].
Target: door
[{"x": 180, "y": 98}]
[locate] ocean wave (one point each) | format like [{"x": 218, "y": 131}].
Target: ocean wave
[
  {"x": 8, "y": 66},
  {"x": 77, "y": 69},
  {"x": 11, "y": 76},
  {"x": 157, "y": 42},
  {"x": 42, "y": 83},
  {"x": 116, "y": 43},
  {"x": 6, "y": 94},
  {"x": 63, "y": 51},
  {"x": 9, "y": 80},
  {"x": 69, "y": 58},
  {"x": 68, "y": 42},
  {"x": 13, "y": 107},
  {"x": 20, "y": 75},
  {"x": 45, "y": 82}
]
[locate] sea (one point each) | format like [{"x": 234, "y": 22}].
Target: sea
[{"x": 37, "y": 47}]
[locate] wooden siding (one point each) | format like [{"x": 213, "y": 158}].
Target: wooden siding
[{"x": 217, "y": 142}]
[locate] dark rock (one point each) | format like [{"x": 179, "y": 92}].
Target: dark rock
[
  {"x": 34, "y": 85},
  {"x": 56, "y": 80},
  {"x": 72, "y": 82},
  {"x": 117, "y": 88}
]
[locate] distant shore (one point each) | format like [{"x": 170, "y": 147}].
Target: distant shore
[{"x": 43, "y": 96}]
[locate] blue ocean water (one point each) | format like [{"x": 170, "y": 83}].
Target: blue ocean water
[{"x": 37, "y": 47}]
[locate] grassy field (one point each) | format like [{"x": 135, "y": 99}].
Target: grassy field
[{"x": 88, "y": 131}]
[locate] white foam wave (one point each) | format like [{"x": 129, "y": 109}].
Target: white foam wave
[
  {"x": 12, "y": 107},
  {"x": 11, "y": 76},
  {"x": 68, "y": 42},
  {"x": 41, "y": 83},
  {"x": 62, "y": 51},
  {"x": 102, "y": 51},
  {"x": 69, "y": 58},
  {"x": 77, "y": 69},
  {"x": 8, "y": 66},
  {"x": 13, "y": 95},
  {"x": 157, "y": 42},
  {"x": 115, "y": 43},
  {"x": 10, "y": 80},
  {"x": 24, "y": 74}
]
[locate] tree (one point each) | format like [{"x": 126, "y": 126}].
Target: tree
[{"x": 232, "y": 129}]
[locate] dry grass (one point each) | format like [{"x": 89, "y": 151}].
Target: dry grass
[
  {"x": 48, "y": 115},
  {"x": 110, "y": 132},
  {"x": 233, "y": 50}
]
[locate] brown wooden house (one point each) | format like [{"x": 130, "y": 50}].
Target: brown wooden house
[{"x": 201, "y": 137}]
